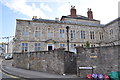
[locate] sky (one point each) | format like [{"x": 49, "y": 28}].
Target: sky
[{"x": 10, "y": 10}]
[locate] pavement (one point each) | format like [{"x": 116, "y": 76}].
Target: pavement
[
  {"x": 22, "y": 73},
  {"x": 0, "y": 70}
]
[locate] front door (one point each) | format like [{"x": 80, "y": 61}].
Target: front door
[{"x": 50, "y": 47}]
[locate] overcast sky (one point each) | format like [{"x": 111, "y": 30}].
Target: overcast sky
[{"x": 103, "y": 10}]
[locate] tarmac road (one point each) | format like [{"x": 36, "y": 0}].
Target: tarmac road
[{"x": 5, "y": 76}]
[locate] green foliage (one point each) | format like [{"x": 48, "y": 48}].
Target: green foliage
[{"x": 87, "y": 44}]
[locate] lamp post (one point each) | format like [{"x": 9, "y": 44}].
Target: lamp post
[
  {"x": 7, "y": 44},
  {"x": 67, "y": 28}
]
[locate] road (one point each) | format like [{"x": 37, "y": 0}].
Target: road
[
  {"x": 5, "y": 76},
  {"x": 33, "y": 75}
]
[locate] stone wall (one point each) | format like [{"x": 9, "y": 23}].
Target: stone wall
[
  {"x": 57, "y": 61},
  {"x": 102, "y": 59},
  {"x": 111, "y": 32}
]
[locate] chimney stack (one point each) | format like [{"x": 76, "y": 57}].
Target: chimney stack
[
  {"x": 90, "y": 14},
  {"x": 73, "y": 11},
  {"x": 34, "y": 17}
]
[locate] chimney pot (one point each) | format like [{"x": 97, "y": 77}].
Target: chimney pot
[
  {"x": 34, "y": 17},
  {"x": 90, "y": 14},
  {"x": 73, "y": 11}
]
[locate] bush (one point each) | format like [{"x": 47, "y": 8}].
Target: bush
[{"x": 87, "y": 44}]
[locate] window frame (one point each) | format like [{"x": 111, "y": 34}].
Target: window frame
[
  {"x": 37, "y": 46},
  {"x": 50, "y": 33},
  {"x": 62, "y": 33},
  {"x": 82, "y": 34},
  {"x": 24, "y": 47},
  {"x": 61, "y": 45},
  {"x": 37, "y": 33},
  {"x": 92, "y": 35}
]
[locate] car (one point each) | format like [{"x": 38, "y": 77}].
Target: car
[{"x": 8, "y": 57}]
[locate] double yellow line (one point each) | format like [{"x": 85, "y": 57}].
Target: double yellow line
[{"x": 11, "y": 76}]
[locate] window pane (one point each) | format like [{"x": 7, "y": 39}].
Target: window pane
[
  {"x": 62, "y": 35},
  {"x": 35, "y": 44},
  {"x": 60, "y": 45},
  {"x": 23, "y": 33},
  {"x": 26, "y": 33},
  {"x": 38, "y": 44},
  {"x": 26, "y": 44},
  {"x": 35, "y": 48},
  {"x": 72, "y": 45},
  {"x": 26, "y": 48},
  {"x": 60, "y": 31},
  {"x": 22, "y": 44},
  {"x": 82, "y": 34},
  {"x": 22, "y": 48},
  {"x": 37, "y": 34},
  {"x": 71, "y": 34},
  {"x": 38, "y": 48},
  {"x": 63, "y": 30},
  {"x": 50, "y": 35}
]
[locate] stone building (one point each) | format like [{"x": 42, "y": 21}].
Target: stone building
[
  {"x": 44, "y": 34},
  {"x": 10, "y": 47},
  {"x": 2, "y": 48}
]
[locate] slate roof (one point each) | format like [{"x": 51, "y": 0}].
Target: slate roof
[
  {"x": 78, "y": 17},
  {"x": 117, "y": 19},
  {"x": 70, "y": 22}
]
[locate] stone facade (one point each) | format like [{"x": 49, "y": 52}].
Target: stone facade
[
  {"x": 111, "y": 31},
  {"x": 55, "y": 40},
  {"x": 57, "y": 61},
  {"x": 51, "y": 34},
  {"x": 103, "y": 60}
]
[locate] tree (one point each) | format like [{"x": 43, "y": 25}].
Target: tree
[{"x": 87, "y": 44}]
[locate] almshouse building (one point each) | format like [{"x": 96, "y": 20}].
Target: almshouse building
[{"x": 43, "y": 34}]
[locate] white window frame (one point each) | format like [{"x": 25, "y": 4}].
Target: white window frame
[
  {"x": 37, "y": 46},
  {"x": 72, "y": 34},
  {"x": 62, "y": 45},
  {"x": 37, "y": 33},
  {"x": 25, "y": 32},
  {"x": 24, "y": 47},
  {"x": 82, "y": 34},
  {"x": 62, "y": 33},
  {"x": 92, "y": 35},
  {"x": 50, "y": 33}
]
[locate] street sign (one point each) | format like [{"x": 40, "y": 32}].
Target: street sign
[{"x": 85, "y": 67}]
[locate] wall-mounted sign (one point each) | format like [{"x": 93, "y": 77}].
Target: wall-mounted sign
[{"x": 85, "y": 67}]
